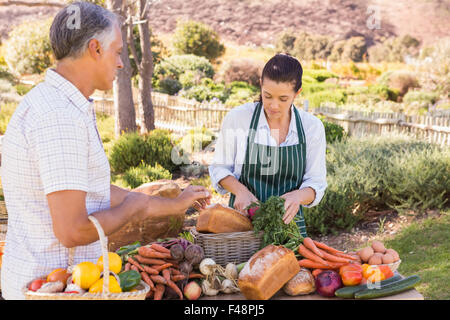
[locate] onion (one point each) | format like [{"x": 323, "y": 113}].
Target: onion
[
  {"x": 208, "y": 289},
  {"x": 228, "y": 286}
]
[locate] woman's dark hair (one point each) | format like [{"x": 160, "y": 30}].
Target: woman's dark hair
[{"x": 283, "y": 68}]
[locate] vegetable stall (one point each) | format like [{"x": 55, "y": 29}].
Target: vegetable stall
[{"x": 229, "y": 256}]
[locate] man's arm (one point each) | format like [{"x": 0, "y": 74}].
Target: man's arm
[{"x": 118, "y": 195}]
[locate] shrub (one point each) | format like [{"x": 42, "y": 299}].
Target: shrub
[
  {"x": 196, "y": 140},
  {"x": 394, "y": 49},
  {"x": 401, "y": 80},
  {"x": 333, "y": 131},
  {"x": 384, "y": 92},
  {"x": 312, "y": 87},
  {"x": 207, "y": 90},
  {"x": 169, "y": 86},
  {"x": 159, "y": 145},
  {"x": 242, "y": 70},
  {"x": 285, "y": 42},
  {"x": 354, "y": 49},
  {"x": 28, "y": 49},
  {"x": 379, "y": 173},
  {"x": 319, "y": 75},
  {"x": 422, "y": 97},
  {"x": 174, "y": 66},
  {"x": 312, "y": 47},
  {"x": 191, "y": 37},
  {"x": 334, "y": 96},
  {"x": 128, "y": 151},
  {"x": 145, "y": 173}
]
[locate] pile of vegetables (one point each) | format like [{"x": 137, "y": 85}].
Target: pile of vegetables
[
  {"x": 167, "y": 266},
  {"x": 218, "y": 279}
]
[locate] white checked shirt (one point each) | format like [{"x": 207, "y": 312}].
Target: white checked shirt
[
  {"x": 51, "y": 144},
  {"x": 231, "y": 145}
]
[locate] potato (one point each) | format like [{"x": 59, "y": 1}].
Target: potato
[
  {"x": 378, "y": 246},
  {"x": 387, "y": 258},
  {"x": 365, "y": 253},
  {"x": 394, "y": 254},
  {"x": 375, "y": 259}
]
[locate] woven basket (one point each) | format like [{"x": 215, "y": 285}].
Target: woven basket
[
  {"x": 393, "y": 266},
  {"x": 142, "y": 288},
  {"x": 235, "y": 247}
]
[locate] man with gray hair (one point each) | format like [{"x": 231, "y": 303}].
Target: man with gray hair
[{"x": 54, "y": 169}]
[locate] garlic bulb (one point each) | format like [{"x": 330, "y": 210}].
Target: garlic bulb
[
  {"x": 207, "y": 289},
  {"x": 231, "y": 271},
  {"x": 206, "y": 266},
  {"x": 228, "y": 286}
]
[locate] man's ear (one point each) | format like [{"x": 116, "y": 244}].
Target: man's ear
[{"x": 95, "y": 49}]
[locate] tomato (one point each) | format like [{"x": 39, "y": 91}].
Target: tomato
[
  {"x": 386, "y": 271},
  {"x": 351, "y": 278},
  {"x": 36, "y": 284},
  {"x": 350, "y": 267}
]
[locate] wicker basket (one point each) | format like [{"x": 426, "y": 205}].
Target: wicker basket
[
  {"x": 393, "y": 266},
  {"x": 235, "y": 247},
  {"x": 142, "y": 288}
]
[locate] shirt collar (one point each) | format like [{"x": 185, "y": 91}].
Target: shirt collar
[
  {"x": 262, "y": 123},
  {"x": 69, "y": 89}
]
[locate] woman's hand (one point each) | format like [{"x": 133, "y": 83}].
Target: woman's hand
[
  {"x": 291, "y": 205},
  {"x": 243, "y": 200}
]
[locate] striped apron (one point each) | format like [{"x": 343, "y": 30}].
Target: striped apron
[{"x": 269, "y": 170}]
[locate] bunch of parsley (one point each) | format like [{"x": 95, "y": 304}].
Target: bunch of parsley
[{"x": 268, "y": 218}]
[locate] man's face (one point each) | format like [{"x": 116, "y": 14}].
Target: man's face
[{"x": 109, "y": 62}]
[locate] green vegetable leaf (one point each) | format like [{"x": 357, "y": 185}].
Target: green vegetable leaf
[{"x": 129, "y": 279}]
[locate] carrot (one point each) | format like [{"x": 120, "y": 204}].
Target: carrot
[
  {"x": 333, "y": 258},
  {"x": 162, "y": 267},
  {"x": 175, "y": 288},
  {"x": 178, "y": 277},
  {"x": 166, "y": 274},
  {"x": 127, "y": 266},
  {"x": 158, "y": 279},
  {"x": 133, "y": 267},
  {"x": 159, "y": 291},
  {"x": 306, "y": 253},
  {"x": 151, "y": 253},
  {"x": 344, "y": 255},
  {"x": 147, "y": 280},
  {"x": 150, "y": 270},
  {"x": 175, "y": 271},
  {"x": 149, "y": 261},
  {"x": 159, "y": 248},
  {"x": 310, "y": 264},
  {"x": 323, "y": 246},
  {"x": 195, "y": 275},
  {"x": 309, "y": 243},
  {"x": 135, "y": 263}
]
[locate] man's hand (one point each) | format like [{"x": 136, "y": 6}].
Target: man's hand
[{"x": 197, "y": 196}]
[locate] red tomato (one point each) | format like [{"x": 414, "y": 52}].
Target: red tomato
[
  {"x": 351, "y": 278},
  {"x": 36, "y": 284},
  {"x": 351, "y": 267},
  {"x": 386, "y": 271}
]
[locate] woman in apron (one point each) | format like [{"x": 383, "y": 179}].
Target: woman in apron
[{"x": 271, "y": 148}]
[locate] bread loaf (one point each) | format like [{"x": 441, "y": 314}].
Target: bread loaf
[
  {"x": 302, "y": 283},
  {"x": 220, "y": 219},
  {"x": 267, "y": 271}
]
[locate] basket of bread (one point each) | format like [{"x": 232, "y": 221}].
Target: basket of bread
[{"x": 225, "y": 235}]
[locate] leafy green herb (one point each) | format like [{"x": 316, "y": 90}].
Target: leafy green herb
[{"x": 269, "y": 219}]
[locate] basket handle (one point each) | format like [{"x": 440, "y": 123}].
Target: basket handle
[{"x": 104, "y": 246}]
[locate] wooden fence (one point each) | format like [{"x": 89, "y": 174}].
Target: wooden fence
[{"x": 179, "y": 115}]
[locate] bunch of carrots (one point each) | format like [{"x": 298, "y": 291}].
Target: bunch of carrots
[
  {"x": 159, "y": 270},
  {"x": 318, "y": 255}
]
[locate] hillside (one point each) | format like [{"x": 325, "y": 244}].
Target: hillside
[{"x": 258, "y": 22}]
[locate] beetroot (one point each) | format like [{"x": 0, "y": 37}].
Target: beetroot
[
  {"x": 251, "y": 211},
  {"x": 327, "y": 282}
]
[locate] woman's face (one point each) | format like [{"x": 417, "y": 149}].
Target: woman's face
[{"x": 277, "y": 98}]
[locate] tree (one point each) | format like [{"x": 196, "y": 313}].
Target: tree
[
  {"x": 124, "y": 112},
  {"x": 144, "y": 64}
]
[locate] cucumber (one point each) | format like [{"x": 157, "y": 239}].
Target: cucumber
[
  {"x": 390, "y": 289},
  {"x": 349, "y": 292}
]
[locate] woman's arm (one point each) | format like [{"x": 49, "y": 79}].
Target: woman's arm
[{"x": 243, "y": 196}]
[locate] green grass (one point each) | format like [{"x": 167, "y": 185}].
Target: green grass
[{"x": 424, "y": 248}]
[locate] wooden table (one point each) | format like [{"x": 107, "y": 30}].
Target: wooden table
[{"x": 406, "y": 295}]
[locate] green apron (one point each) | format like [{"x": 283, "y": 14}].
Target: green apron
[{"x": 269, "y": 170}]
